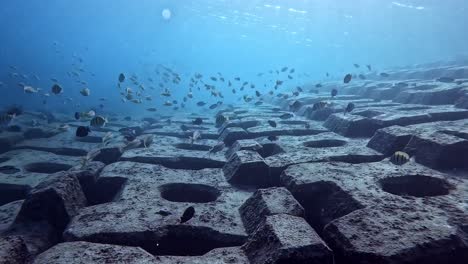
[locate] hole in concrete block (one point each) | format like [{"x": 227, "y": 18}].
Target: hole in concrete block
[
  {"x": 326, "y": 143},
  {"x": 324, "y": 202},
  {"x": 188, "y": 146},
  {"x": 187, "y": 192},
  {"x": 9, "y": 170},
  {"x": 415, "y": 185},
  {"x": 368, "y": 113},
  {"x": 46, "y": 167}
]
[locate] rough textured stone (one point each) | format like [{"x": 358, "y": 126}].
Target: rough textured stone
[
  {"x": 439, "y": 145},
  {"x": 13, "y": 250},
  {"x": 247, "y": 168},
  {"x": 364, "y": 124},
  {"x": 231, "y": 134},
  {"x": 24, "y": 169},
  {"x": 148, "y": 202},
  {"x": 173, "y": 152},
  {"x": 369, "y": 209},
  {"x": 8, "y": 213},
  {"x": 91, "y": 253},
  {"x": 55, "y": 200},
  {"x": 266, "y": 202},
  {"x": 290, "y": 240},
  {"x": 87, "y": 176}
]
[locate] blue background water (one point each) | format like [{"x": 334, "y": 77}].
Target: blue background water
[{"x": 236, "y": 38}]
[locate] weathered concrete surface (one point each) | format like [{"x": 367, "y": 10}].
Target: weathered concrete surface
[
  {"x": 357, "y": 207},
  {"x": 290, "y": 240},
  {"x": 24, "y": 169},
  {"x": 178, "y": 153},
  {"x": 13, "y": 250},
  {"x": 84, "y": 253},
  {"x": 266, "y": 202},
  {"x": 93, "y": 253},
  {"x": 148, "y": 202},
  {"x": 382, "y": 213},
  {"x": 439, "y": 145},
  {"x": 248, "y": 168}
]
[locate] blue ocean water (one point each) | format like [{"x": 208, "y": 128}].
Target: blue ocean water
[{"x": 101, "y": 39}]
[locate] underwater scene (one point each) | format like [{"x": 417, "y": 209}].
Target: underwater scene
[{"x": 234, "y": 131}]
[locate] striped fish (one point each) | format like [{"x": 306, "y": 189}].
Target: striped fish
[
  {"x": 399, "y": 158},
  {"x": 98, "y": 121}
]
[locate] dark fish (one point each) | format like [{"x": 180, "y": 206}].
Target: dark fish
[
  {"x": 127, "y": 118},
  {"x": 445, "y": 79},
  {"x": 56, "y": 89},
  {"x": 184, "y": 127},
  {"x": 237, "y": 79},
  {"x": 98, "y": 121},
  {"x": 385, "y": 75},
  {"x": 272, "y": 138},
  {"x": 82, "y": 131},
  {"x": 214, "y": 79},
  {"x": 356, "y": 65},
  {"x": 121, "y": 77},
  {"x": 258, "y": 103},
  {"x": 284, "y": 69},
  {"x": 187, "y": 215},
  {"x": 201, "y": 103},
  {"x": 198, "y": 121},
  {"x": 77, "y": 116},
  {"x": 399, "y": 158},
  {"x": 290, "y": 77},
  {"x": 272, "y": 123},
  {"x": 349, "y": 108},
  {"x": 369, "y": 67},
  {"x": 347, "y": 78},
  {"x": 334, "y": 92},
  {"x": 292, "y": 71},
  {"x": 362, "y": 77},
  {"x": 213, "y": 106},
  {"x": 318, "y": 85},
  {"x": 258, "y": 94}
]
